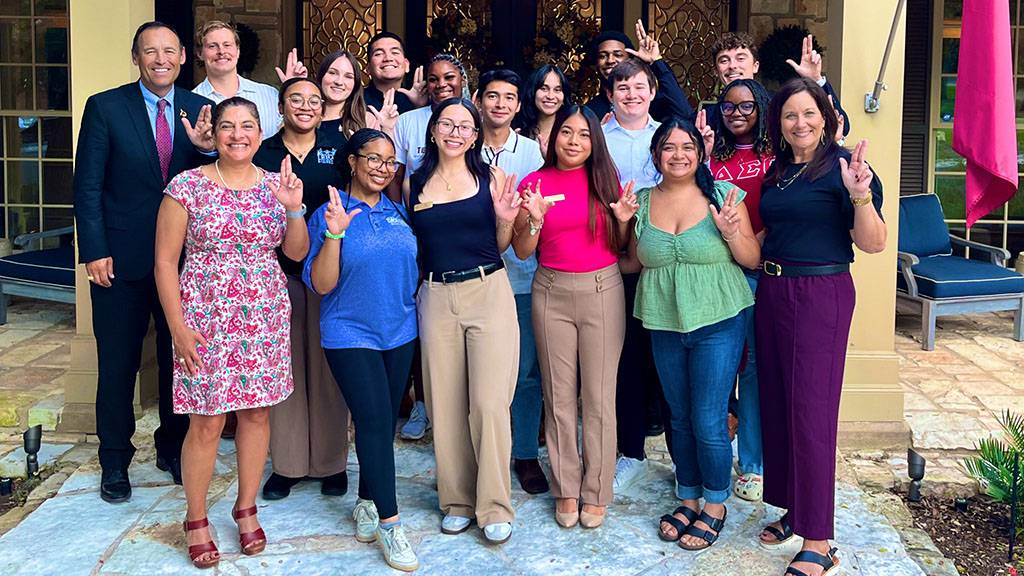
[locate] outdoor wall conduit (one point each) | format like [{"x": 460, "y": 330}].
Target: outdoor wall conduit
[{"x": 871, "y": 99}]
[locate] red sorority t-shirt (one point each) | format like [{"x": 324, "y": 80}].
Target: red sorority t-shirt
[{"x": 746, "y": 170}]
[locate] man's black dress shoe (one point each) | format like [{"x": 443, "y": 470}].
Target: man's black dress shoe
[
  {"x": 172, "y": 466},
  {"x": 278, "y": 487},
  {"x": 114, "y": 486},
  {"x": 531, "y": 476},
  {"x": 335, "y": 484}
]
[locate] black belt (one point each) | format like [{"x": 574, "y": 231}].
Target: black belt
[
  {"x": 454, "y": 277},
  {"x": 772, "y": 269}
]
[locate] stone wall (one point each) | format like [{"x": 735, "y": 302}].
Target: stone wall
[
  {"x": 265, "y": 17},
  {"x": 766, "y": 15}
]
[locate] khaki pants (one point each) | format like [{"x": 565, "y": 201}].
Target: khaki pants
[
  {"x": 309, "y": 430},
  {"x": 580, "y": 317},
  {"x": 470, "y": 341}
]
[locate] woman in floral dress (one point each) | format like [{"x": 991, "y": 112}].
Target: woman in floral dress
[{"x": 228, "y": 311}]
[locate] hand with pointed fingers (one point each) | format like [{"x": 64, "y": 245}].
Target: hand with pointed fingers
[
  {"x": 810, "y": 61},
  {"x": 293, "y": 68},
  {"x": 625, "y": 208},
  {"x": 707, "y": 133},
  {"x": 727, "y": 220},
  {"x": 418, "y": 93},
  {"x": 289, "y": 191},
  {"x": 856, "y": 173},
  {"x": 534, "y": 202},
  {"x": 385, "y": 118},
  {"x": 335, "y": 217},
  {"x": 648, "y": 49},
  {"x": 201, "y": 135}
]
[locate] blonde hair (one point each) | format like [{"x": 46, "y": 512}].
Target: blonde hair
[{"x": 210, "y": 26}]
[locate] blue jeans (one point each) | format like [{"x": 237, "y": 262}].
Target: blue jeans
[
  {"x": 697, "y": 371},
  {"x": 528, "y": 402},
  {"x": 748, "y": 409}
]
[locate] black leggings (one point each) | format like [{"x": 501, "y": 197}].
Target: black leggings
[{"x": 372, "y": 382}]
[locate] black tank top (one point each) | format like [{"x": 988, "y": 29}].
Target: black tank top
[{"x": 455, "y": 236}]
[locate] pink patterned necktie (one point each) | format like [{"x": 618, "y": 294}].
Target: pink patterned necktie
[{"x": 163, "y": 138}]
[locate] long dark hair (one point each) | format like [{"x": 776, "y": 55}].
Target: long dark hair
[
  {"x": 528, "y": 118},
  {"x": 725, "y": 142},
  {"x": 474, "y": 158},
  {"x": 602, "y": 177},
  {"x": 353, "y": 112},
  {"x": 828, "y": 151},
  {"x": 705, "y": 181},
  {"x": 353, "y": 147}
]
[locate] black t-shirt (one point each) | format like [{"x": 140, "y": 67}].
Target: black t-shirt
[
  {"x": 331, "y": 133},
  {"x": 317, "y": 171},
  {"x": 810, "y": 222},
  {"x": 375, "y": 98}
]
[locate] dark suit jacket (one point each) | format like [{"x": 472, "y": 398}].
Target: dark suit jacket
[{"x": 118, "y": 186}]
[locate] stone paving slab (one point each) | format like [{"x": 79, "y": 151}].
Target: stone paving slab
[{"x": 313, "y": 534}]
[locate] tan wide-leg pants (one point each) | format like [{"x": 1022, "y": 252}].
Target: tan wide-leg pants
[
  {"x": 470, "y": 341},
  {"x": 580, "y": 317},
  {"x": 309, "y": 430}
]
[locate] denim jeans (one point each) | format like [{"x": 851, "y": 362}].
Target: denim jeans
[
  {"x": 697, "y": 371},
  {"x": 748, "y": 409},
  {"x": 528, "y": 402}
]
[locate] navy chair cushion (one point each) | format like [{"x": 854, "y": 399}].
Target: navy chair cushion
[
  {"x": 55, "y": 266},
  {"x": 923, "y": 231},
  {"x": 952, "y": 276}
]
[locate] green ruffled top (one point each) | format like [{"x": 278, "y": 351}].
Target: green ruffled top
[{"x": 689, "y": 280}]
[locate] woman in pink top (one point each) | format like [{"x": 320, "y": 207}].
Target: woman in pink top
[{"x": 578, "y": 306}]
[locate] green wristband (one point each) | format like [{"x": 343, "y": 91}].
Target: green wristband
[{"x": 327, "y": 234}]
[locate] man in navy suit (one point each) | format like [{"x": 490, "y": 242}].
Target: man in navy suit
[{"x": 129, "y": 147}]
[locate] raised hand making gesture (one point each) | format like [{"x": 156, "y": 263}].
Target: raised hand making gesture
[
  {"x": 707, "y": 133},
  {"x": 627, "y": 205},
  {"x": 506, "y": 200},
  {"x": 857, "y": 174},
  {"x": 335, "y": 217},
  {"x": 289, "y": 191},
  {"x": 534, "y": 202},
  {"x": 727, "y": 220},
  {"x": 810, "y": 61},
  {"x": 201, "y": 135},
  {"x": 418, "y": 93},
  {"x": 293, "y": 68},
  {"x": 648, "y": 49},
  {"x": 386, "y": 118}
]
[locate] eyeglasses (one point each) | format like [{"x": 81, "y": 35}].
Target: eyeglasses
[
  {"x": 746, "y": 108},
  {"x": 375, "y": 162},
  {"x": 446, "y": 126},
  {"x": 297, "y": 101}
]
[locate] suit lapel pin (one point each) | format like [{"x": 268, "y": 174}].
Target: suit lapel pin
[{"x": 182, "y": 114}]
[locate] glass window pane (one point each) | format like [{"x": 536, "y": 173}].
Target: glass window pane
[
  {"x": 1020, "y": 152},
  {"x": 56, "y": 137},
  {"x": 52, "y": 88},
  {"x": 57, "y": 183},
  {"x": 1020, "y": 97},
  {"x": 51, "y": 7},
  {"x": 15, "y": 87},
  {"x": 15, "y": 7},
  {"x": 988, "y": 233},
  {"x": 22, "y": 182},
  {"x": 946, "y": 160},
  {"x": 51, "y": 41},
  {"x": 947, "y": 98},
  {"x": 950, "y": 190},
  {"x": 22, "y": 137},
  {"x": 950, "y": 55},
  {"x": 54, "y": 218},
  {"x": 953, "y": 10},
  {"x": 22, "y": 220},
  {"x": 1015, "y": 241},
  {"x": 1016, "y": 207},
  {"x": 15, "y": 40}
]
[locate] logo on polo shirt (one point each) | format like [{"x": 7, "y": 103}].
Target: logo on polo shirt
[{"x": 325, "y": 155}]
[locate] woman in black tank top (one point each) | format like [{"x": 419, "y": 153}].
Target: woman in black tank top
[{"x": 463, "y": 213}]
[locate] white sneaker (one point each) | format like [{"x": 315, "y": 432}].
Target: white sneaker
[
  {"x": 452, "y": 524},
  {"x": 627, "y": 470},
  {"x": 418, "y": 423},
  {"x": 367, "y": 519},
  {"x": 498, "y": 533},
  {"x": 397, "y": 550}
]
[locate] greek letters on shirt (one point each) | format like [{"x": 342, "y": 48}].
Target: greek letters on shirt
[{"x": 747, "y": 169}]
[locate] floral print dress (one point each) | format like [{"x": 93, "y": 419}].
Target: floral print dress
[{"x": 234, "y": 293}]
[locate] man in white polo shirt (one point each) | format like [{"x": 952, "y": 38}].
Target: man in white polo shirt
[
  {"x": 217, "y": 47},
  {"x": 498, "y": 102}
]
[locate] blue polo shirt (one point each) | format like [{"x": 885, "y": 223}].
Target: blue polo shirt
[{"x": 373, "y": 305}]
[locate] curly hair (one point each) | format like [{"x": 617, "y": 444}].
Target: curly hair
[
  {"x": 725, "y": 142},
  {"x": 732, "y": 41}
]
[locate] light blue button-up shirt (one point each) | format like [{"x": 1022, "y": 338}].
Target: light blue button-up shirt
[
  {"x": 631, "y": 151},
  {"x": 151, "y": 100},
  {"x": 520, "y": 156},
  {"x": 264, "y": 96}
]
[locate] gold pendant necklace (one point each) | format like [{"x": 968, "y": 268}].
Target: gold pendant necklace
[
  {"x": 447, "y": 184},
  {"x": 784, "y": 183}
]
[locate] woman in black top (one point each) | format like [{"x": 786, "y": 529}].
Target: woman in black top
[
  {"x": 304, "y": 439},
  {"x": 463, "y": 211},
  {"x": 818, "y": 200},
  {"x": 345, "y": 111}
]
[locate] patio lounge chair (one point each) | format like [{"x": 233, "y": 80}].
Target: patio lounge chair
[
  {"x": 41, "y": 274},
  {"x": 933, "y": 282}
]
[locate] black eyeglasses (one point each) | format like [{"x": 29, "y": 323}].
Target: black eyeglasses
[
  {"x": 375, "y": 162},
  {"x": 746, "y": 108}
]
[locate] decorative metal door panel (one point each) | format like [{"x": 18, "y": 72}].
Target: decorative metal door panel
[
  {"x": 329, "y": 25},
  {"x": 686, "y": 30}
]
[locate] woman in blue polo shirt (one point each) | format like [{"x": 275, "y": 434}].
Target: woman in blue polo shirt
[{"x": 362, "y": 259}]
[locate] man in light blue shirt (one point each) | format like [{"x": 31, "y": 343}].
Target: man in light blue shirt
[
  {"x": 218, "y": 47},
  {"x": 629, "y": 131},
  {"x": 498, "y": 102}
]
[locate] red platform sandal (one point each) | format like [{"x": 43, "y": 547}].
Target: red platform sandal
[
  {"x": 252, "y": 542},
  {"x": 196, "y": 551}
]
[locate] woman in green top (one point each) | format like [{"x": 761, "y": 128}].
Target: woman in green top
[{"x": 692, "y": 236}]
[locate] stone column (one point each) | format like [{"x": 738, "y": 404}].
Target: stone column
[
  {"x": 872, "y": 403},
  {"x": 101, "y": 37}
]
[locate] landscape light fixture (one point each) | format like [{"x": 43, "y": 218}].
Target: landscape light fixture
[
  {"x": 33, "y": 438},
  {"x": 915, "y": 470}
]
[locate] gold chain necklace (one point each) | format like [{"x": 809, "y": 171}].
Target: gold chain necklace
[
  {"x": 784, "y": 183},
  {"x": 447, "y": 184}
]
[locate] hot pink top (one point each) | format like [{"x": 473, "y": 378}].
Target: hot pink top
[{"x": 566, "y": 243}]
